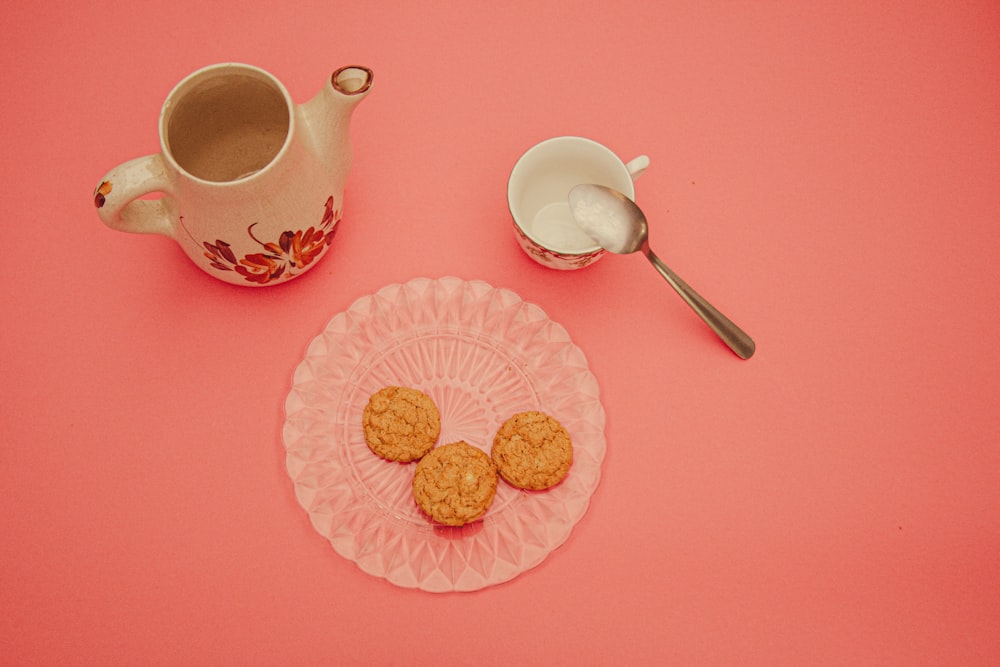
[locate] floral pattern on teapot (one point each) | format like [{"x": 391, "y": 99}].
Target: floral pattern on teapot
[
  {"x": 100, "y": 194},
  {"x": 285, "y": 258}
]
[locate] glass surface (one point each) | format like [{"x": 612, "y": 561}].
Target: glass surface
[{"x": 482, "y": 354}]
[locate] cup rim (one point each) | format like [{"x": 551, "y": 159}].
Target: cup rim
[
  {"x": 590, "y": 250},
  {"x": 215, "y": 69}
]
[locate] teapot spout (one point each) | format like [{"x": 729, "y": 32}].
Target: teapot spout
[
  {"x": 353, "y": 81},
  {"x": 327, "y": 116},
  {"x": 334, "y": 103}
]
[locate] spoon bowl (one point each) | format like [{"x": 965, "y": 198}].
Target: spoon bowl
[
  {"x": 609, "y": 217},
  {"x": 618, "y": 225}
]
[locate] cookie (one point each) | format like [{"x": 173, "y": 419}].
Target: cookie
[
  {"x": 532, "y": 451},
  {"x": 455, "y": 483},
  {"x": 400, "y": 423}
]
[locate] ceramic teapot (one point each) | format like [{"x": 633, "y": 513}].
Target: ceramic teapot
[{"x": 249, "y": 184}]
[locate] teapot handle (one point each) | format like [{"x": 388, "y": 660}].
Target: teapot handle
[{"x": 119, "y": 197}]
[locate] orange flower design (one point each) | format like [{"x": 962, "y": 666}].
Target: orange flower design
[
  {"x": 260, "y": 268},
  {"x": 289, "y": 256}
]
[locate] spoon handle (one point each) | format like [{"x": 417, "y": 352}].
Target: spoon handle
[{"x": 737, "y": 340}]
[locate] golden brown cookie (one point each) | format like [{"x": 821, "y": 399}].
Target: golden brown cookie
[
  {"x": 455, "y": 483},
  {"x": 400, "y": 423},
  {"x": 532, "y": 451}
]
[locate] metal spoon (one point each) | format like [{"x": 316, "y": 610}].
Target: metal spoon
[{"x": 617, "y": 224}]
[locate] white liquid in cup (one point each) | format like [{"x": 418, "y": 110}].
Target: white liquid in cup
[{"x": 555, "y": 228}]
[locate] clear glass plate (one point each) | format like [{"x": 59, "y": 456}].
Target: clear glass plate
[{"x": 482, "y": 354}]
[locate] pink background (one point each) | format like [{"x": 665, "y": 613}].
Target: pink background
[{"x": 828, "y": 174}]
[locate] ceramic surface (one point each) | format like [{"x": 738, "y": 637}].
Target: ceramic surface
[
  {"x": 537, "y": 193},
  {"x": 250, "y": 185}
]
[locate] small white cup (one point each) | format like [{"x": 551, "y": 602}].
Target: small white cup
[{"x": 538, "y": 191}]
